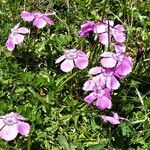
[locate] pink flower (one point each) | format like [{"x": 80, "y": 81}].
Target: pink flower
[
  {"x": 11, "y": 124},
  {"x": 115, "y": 119},
  {"x": 16, "y": 37},
  {"x": 105, "y": 28},
  {"x": 73, "y": 58},
  {"x": 102, "y": 97},
  {"x": 39, "y": 19},
  {"x": 105, "y": 77},
  {"x": 120, "y": 61},
  {"x": 86, "y": 28}
]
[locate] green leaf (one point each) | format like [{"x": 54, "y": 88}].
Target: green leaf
[
  {"x": 96, "y": 147},
  {"x": 63, "y": 142}
]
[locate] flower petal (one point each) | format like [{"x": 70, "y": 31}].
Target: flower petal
[
  {"x": 67, "y": 65},
  {"x": 103, "y": 103},
  {"x": 105, "y": 21},
  {"x": 108, "y": 62},
  {"x": 27, "y": 16},
  {"x": 103, "y": 39},
  {"x": 39, "y": 23},
  {"x": 119, "y": 37},
  {"x": 119, "y": 27},
  {"x": 88, "y": 85},
  {"x": 23, "y": 30},
  {"x": 124, "y": 69},
  {"x": 18, "y": 39},
  {"x": 48, "y": 20},
  {"x": 99, "y": 28},
  {"x": 99, "y": 80},
  {"x": 81, "y": 61},
  {"x": 23, "y": 128},
  {"x": 120, "y": 48},
  {"x": 95, "y": 70},
  {"x": 10, "y": 44},
  {"x": 110, "y": 119},
  {"x": 9, "y": 133},
  {"x": 61, "y": 58},
  {"x": 107, "y": 54},
  {"x": 112, "y": 83},
  {"x": 50, "y": 14},
  {"x": 90, "y": 98},
  {"x": 16, "y": 115}
]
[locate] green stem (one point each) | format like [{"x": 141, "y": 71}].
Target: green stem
[{"x": 67, "y": 80}]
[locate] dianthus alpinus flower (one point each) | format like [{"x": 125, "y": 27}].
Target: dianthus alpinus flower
[
  {"x": 101, "y": 95},
  {"x": 105, "y": 77},
  {"x": 39, "y": 19},
  {"x": 120, "y": 61},
  {"x": 72, "y": 58},
  {"x": 115, "y": 119},
  {"x": 11, "y": 124},
  {"x": 86, "y": 28},
  {"x": 16, "y": 36},
  {"x": 107, "y": 29}
]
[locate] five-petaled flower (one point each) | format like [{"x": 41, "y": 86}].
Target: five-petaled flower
[
  {"x": 120, "y": 61},
  {"x": 39, "y": 19},
  {"x": 11, "y": 124},
  {"x": 106, "y": 30},
  {"x": 16, "y": 36},
  {"x": 105, "y": 77},
  {"x": 72, "y": 58},
  {"x": 100, "y": 94}
]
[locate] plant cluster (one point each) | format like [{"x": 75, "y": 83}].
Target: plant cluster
[{"x": 115, "y": 64}]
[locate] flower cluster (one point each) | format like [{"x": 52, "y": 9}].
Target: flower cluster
[
  {"x": 105, "y": 30},
  {"x": 17, "y": 34},
  {"x": 113, "y": 66},
  {"x": 11, "y": 124}
]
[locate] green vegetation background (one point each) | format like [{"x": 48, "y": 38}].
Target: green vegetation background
[{"x": 32, "y": 85}]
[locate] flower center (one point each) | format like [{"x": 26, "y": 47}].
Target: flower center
[
  {"x": 71, "y": 55},
  {"x": 118, "y": 56},
  {"x": 38, "y": 15},
  {"x": 13, "y": 33},
  {"x": 99, "y": 93},
  {"x": 10, "y": 120},
  {"x": 107, "y": 73}
]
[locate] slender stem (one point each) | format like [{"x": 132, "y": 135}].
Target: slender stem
[
  {"x": 29, "y": 142},
  {"x": 67, "y": 79}
]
